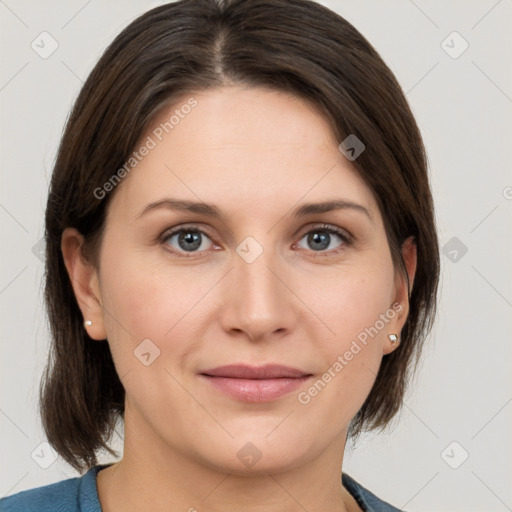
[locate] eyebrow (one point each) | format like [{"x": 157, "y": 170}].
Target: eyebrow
[{"x": 211, "y": 210}]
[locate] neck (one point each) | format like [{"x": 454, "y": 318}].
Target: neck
[{"x": 155, "y": 476}]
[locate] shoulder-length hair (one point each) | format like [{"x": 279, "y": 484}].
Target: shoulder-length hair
[{"x": 296, "y": 46}]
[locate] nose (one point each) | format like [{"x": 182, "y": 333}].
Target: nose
[{"x": 258, "y": 301}]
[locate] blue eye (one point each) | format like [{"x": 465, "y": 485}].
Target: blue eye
[
  {"x": 188, "y": 239},
  {"x": 320, "y": 238}
]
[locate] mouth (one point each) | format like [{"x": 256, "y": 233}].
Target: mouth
[{"x": 255, "y": 383}]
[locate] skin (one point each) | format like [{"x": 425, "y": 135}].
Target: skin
[{"x": 257, "y": 155}]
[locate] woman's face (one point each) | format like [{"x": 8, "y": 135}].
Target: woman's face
[{"x": 262, "y": 282}]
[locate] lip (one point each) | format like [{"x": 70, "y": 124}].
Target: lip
[
  {"x": 255, "y": 383},
  {"x": 243, "y": 371}
]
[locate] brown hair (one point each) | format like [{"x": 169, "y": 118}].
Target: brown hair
[{"x": 297, "y": 46}]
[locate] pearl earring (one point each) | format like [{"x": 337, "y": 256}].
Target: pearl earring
[
  {"x": 393, "y": 338},
  {"x": 87, "y": 323}
]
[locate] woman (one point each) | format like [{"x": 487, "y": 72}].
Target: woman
[{"x": 242, "y": 263}]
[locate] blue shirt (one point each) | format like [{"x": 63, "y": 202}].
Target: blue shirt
[{"x": 80, "y": 494}]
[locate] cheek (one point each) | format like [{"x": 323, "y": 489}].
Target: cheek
[
  {"x": 143, "y": 300},
  {"x": 351, "y": 303},
  {"x": 353, "y": 298},
  {"x": 351, "y": 306}
]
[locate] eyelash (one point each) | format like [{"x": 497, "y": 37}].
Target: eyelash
[{"x": 325, "y": 228}]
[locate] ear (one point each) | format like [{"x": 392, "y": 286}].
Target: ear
[
  {"x": 403, "y": 289},
  {"x": 84, "y": 280}
]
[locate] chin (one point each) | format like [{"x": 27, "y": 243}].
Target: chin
[{"x": 258, "y": 457}]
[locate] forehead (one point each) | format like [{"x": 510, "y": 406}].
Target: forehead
[
  {"x": 241, "y": 146},
  {"x": 230, "y": 113}
]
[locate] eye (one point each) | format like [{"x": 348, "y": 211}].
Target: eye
[
  {"x": 187, "y": 240},
  {"x": 320, "y": 238}
]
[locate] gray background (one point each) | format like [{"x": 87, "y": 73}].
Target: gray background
[{"x": 463, "y": 104}]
